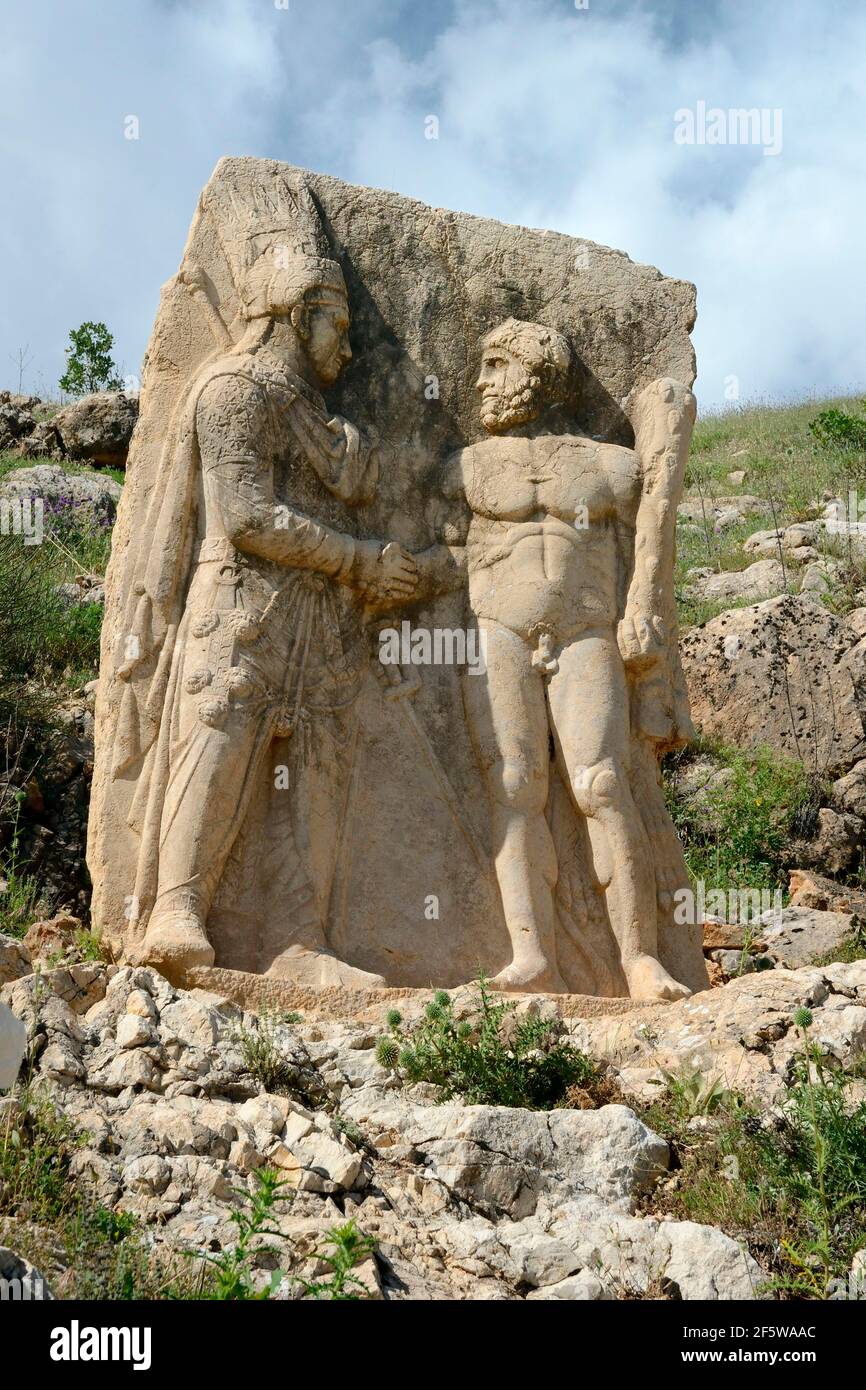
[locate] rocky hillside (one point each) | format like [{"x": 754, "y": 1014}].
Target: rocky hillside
[{"x": 171, "y": 1111}]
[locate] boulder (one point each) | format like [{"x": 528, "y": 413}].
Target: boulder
[
  {"x": 15, "y": 959},
  {"x": 801, "y": 660},
  {"x": 760, "y": 580},
  {"x": 849, "y": 792},
  {"x": 42, "y": 442},
  {"x": 632, "y": 1257},
  {"x": 51, "y": 937},
  {"x": 65, "y": 495},
  {"x": 799, "y": 936},
  {"x": 835, "y": 843},
  {"x": 809, "y": 889},
  {"x": 85, "y": 588},
  {"x": 98, "y": 427},
  {"x": 16, "y": 417},
  {"x": 797, "y": 541},
  {"x": 500, "y": 1159}
]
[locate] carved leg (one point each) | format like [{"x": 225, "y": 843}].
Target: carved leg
[
  {"x": 667, "y": 852},
  {"x": 507, "y": 719},
  {"x": 213, "y": 773},
  {"x": 590, "y": 714}
]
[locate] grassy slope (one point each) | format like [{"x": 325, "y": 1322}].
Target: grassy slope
[{"x": 784, "y": 465}]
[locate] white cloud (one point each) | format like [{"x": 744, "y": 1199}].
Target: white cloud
[{"x": 548, "y": 115}]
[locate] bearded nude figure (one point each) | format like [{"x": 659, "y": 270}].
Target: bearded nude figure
[{"x": 553, "y": 514}]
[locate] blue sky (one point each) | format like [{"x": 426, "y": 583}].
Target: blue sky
[{"x": 549, "y": 115}]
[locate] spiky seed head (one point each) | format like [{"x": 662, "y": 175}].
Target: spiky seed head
[
  {"x": 387, "y": 1053},
  {"x": 434, "y": 1012},
  {"x": 442, "y": 998},
  {"x": 464, "y": 1030},
  {"x": 393, "y": 1018},
  {"x": 407, "y": 1059},
  {"x": 803, "y": 1017}
]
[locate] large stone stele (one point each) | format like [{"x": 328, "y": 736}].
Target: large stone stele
[{"x": 411, "y": 898}]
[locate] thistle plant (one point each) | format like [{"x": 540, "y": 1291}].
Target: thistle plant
[{"x": 493, "y": 1057}]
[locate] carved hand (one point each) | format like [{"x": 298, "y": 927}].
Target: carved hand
[
  {"x": 383, "y": 571},
  {"x": 642, "y": 638}
]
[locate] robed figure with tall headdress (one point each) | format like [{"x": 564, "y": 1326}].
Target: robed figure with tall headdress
[{"x": 234, "y": 646}]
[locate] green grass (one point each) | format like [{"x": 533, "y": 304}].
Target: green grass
[
  {"x": 794, "y": 1190},
  {"x": 782, "y": 459},
  {"x": 739, "y": 834},
  {"x": 789, "y": 469},
  {"x": 50, "y": 1219}
]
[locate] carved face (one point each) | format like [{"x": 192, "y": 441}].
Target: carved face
[
  {"x": 327, "y": 342},
  {"x": 510, "y": 395}
]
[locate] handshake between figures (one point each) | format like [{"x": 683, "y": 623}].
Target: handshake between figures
[{"x": 385, "y": 573}]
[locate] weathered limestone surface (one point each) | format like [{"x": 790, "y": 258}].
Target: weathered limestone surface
[
  {"x": 464, "y": 1201},
  {"x": 807, "y": 665},
  {"x": 268, "y": 795}
]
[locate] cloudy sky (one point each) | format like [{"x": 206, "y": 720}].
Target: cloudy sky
[{"x": 549, "y": 115}]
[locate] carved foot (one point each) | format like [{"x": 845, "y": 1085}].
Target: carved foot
[
  {"x": 175, "y": 943},
  {"x": 531, "y": 975},
  {"x": 648, "y": 980},
  {"x": 321, "y": 970}
]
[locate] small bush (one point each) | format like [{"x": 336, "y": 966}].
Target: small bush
[
  {"x": 497, "y": 1059},
  {"x": 263, "y": 1054},
  {"x": 765, "y": 802},
  {"x": 837, "y": 429}
]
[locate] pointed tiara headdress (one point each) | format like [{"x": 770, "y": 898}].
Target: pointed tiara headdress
[{"x": 277, "y": 246}]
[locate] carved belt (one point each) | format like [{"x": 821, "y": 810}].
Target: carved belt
[{"x": 217, "y": 548}]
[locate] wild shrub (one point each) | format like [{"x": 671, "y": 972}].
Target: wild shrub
[
  {"x": 739, "y": 833},
  {"x": 494, "y": 1058}
]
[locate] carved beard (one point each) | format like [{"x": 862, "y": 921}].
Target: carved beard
[{"x": 510, "y": 408}]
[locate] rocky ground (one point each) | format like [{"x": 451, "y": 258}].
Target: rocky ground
[
  {"x": 96, "y": 428},
  {"x": 463, "y": 1201}
]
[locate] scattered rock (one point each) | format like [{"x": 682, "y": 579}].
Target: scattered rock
[
  {"x": 741, "y": 1034},
  {"x": 64, "y": 494},
  {"x": 760, "y": 580},
  {"x": 480, "y": 1202},
  {"x": 98, "y": 427},
  {"x": 708, "y": 510}
]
